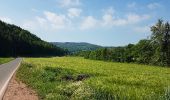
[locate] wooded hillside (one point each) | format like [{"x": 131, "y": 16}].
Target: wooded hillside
[{"x": 15, "y": 41}]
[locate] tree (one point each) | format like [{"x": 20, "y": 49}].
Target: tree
[
  {"x": 161, "y": 40},
  {"x": 143, "y": 52},
  {"x": 128, "y": 56}
]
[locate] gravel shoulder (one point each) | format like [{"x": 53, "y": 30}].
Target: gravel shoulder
[{"x": 19, "y": 91}]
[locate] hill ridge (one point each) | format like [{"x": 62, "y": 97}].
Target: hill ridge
[{"x": 15, "y": 41}]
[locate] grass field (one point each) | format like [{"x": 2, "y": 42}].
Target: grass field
[
  {"x": 74, "y": 78},
  {"x": 5, "y": 60}
]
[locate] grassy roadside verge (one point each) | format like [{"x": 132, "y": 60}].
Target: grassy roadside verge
[
  {"x": 5, "y": 60},
  {"x": 74, "y": 78}
]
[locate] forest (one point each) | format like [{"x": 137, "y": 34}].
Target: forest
[
  {"x": 15, "y": 41},
  {"x": 152, "y": 51},
  {"x": 74, "y": 47}
]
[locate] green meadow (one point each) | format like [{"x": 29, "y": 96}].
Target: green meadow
[
  {"x": 76, "y": 78},
  {"x": 5, "y": 60}
]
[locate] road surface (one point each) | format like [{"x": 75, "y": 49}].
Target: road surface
[{"x": 6, "y": 72}]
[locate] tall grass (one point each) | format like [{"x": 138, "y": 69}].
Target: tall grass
[
  {"x": 5, "y": 60},
  {"x": 75, "y": 78}
]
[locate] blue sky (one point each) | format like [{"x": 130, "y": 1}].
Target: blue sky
[{"x": 102, "y": 22}]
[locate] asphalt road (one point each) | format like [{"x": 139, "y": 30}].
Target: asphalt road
[{"x": 6, "y": 72}]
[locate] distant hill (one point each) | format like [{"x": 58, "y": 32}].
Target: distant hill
[
  {"x": 76, "y": 47},
  {"x": 15, "y": 41}
]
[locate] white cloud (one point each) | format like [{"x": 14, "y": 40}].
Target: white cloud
[
  {"x": 132, "y": 5},
  {"x": 107, "y": 19},
  {"x": 6, "y": 19},
  {"x": 119, "y": 22},
  {"x": 109, "y": 11},
  {"x": 142, "y": 29},
  {"x": 36, "y": 23},
  {"x": 154, "y": 5},
  {"x": 134, "y": 18},
  {"x": 41, "y": 20},
  {"x": 110, "y": 20},
  {"x": 88, "y": 23},
  {"x": 49, "y": 22},
  {"x": 57, "y": 21},
  {"x": 74, "y": 12},
  {"x": 69, "y": 3},
  {"x": 30, "y": 25}
]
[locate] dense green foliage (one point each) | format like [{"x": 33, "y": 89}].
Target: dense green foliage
[
  {"x": 73, "y": 47},
  {"x": 5, "y": 60},
  {"x": 141, "y": 53},
  {"x": 161, "y": 40},
  {"x": 155, "y": 51},
  {"x": 15, "y": 41},
  {"x": 59, "y": 79}
]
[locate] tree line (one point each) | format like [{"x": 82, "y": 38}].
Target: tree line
[
  {"x": 74, "y": 47},
  {"x": 154, "y": 51},
  {"x": 15, "y": 41}
]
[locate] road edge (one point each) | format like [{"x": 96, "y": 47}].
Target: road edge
[{"x": 3, "y": 90}]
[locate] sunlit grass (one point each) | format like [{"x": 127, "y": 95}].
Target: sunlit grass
[
  {"x": 57, "y": 78},
  {"x": 5, "y": 60}
]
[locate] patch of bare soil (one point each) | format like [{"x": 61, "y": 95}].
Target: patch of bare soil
[{"x": 19, "y": 91}]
